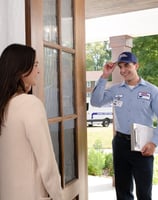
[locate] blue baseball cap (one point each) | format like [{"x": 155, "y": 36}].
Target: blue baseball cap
[{"x": 127, "y": 57}]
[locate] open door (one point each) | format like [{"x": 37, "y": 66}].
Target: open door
[{"x": 56, "y": 29}]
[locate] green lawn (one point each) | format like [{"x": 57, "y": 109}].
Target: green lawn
[{"x": 103, "y": 134}]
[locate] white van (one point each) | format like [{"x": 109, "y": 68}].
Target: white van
[{"x": 99, "y": 116}]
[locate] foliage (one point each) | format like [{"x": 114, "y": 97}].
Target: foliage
[
  {"x": 155, "y": 174},
  {"x": 97, "y": 144},
  {"x": 109, "y": 164},
  {"x": 99, "y": 161},
  {"x": 155, "y": 122},
  {"x": 97, "y": 54},
  {"x": 96, "y": 161},
  {"x": 145, "y": 48}
]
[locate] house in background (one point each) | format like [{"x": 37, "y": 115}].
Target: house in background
[{"x": 91, "y": 79}]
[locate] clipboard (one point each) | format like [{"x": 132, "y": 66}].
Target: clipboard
[{"x": 140, "y": 135}]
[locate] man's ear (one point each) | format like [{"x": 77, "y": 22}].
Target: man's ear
[{"x": 137, "y": 66}]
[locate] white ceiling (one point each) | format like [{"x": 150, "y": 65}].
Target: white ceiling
[
  {"x": 100, "y": 8},
  {"x": 137, "y": 23}
]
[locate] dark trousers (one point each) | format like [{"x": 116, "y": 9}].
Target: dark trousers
[{"x": 129, "y": 165}]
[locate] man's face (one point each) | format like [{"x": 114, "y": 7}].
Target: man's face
[{"x": 128, "y": 70}]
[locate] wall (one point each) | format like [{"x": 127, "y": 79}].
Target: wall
[{"x": 12, "y": 22}]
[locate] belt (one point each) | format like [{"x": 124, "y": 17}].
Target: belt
[{"x": 122, "y": 135}]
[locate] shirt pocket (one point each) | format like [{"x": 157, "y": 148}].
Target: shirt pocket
[{"x": 143, "y": 104}]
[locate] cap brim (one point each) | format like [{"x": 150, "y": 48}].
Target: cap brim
[{"x": 123, "y": 61}]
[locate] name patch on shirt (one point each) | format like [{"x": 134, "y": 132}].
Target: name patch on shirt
[
  {"x": 117, "y": 101},
  {"x": 144, "y": 95}
]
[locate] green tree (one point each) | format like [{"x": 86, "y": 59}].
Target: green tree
[
  {"x": 146, "y": 49},
  {"x": 97, "y": 54}
]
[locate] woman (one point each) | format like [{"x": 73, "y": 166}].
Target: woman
[{"x": 28, "y": 169}]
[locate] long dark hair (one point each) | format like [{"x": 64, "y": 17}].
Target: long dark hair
[{"x": 15, "y": 60}]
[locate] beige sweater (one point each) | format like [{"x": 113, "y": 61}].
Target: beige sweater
[{"x": 28, "y": 169}]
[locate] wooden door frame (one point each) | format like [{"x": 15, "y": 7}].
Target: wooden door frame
[{"x": 34, "y": 37}]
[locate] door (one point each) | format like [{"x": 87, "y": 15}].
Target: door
[{"x": 55, "y": 28}]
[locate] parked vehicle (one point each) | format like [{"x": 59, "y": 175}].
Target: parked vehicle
[{"x": 99, "y": 116}]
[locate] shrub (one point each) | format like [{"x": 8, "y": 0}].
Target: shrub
[
  {"x": 109, "y": 164},
  {"x": 96, "y": 161}
]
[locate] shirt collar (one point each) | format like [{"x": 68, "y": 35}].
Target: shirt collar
[{"x": 141, "y": 82}]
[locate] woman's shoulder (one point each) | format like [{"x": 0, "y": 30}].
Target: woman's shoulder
[
  {"x": 30, "y": 97},
  {"x": 26, "y": 99}
]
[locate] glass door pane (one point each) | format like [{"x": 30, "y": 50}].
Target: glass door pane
[
  {"x": 50, "y": 21},
  {"x": 51, "y": 87},
  {"x": 68, "y": 83},
  {"x": 69, "y": 151},
  {"x": 55, "y": 136},
  {"x": 67, "y": 23}
]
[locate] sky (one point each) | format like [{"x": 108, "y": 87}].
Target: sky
[{"x": 135, "y": 24}]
